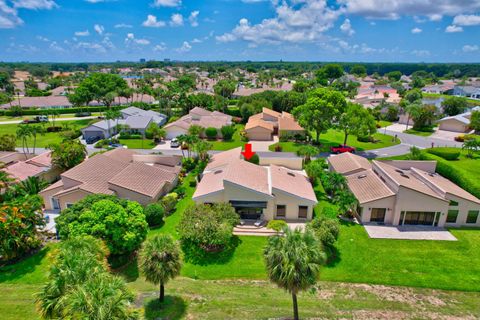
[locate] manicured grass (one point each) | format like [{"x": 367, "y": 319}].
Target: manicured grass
[
  {"x": 384, "y": 123},
  {"x": 336, "y": 137},
  {"x": 138, "y": 143},
  {"x": 234, "y": 143},
  {"x": 48, "y": 138},
  {"x": 419, "y": 133},
  {"x": 62, "y": 116}
]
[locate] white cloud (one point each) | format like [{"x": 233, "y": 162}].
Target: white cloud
[
  {"x": 193, "y": 18},
  {"x": 123, "y": 26},
  {"x": 186, "y": 47},
  {"x": 167, "y": 3},
  {"x": 152, "y": 22},
  {"x": 82, "y": 33},
  {"x": 42, "y": 38},
  {"x": 421, "y": 53},
  {"x": 196, "y": 40},
  {"x": 416, "y": 30},
  {"x": 295, "y": 21},
  {"x": 90, "y": 47},
  {"x": 160, "y": 47},
  {"x": 394, "y": 9},
  {"x": 453, "y": 28},
  {"x": 130, "y": 39},
  {"x": 466, "y": 20},
  {"x": 346, "y": 27},
  {"x": 176, "y": 20},
  {"x": 435, "y": 17},
  {"x": 99, "y": 29},
  {"x": 470, "y": 48},
  {"x": 35, "y": 4},
  {"x": 56, "y": 47}
]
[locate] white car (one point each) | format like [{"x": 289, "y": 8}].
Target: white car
[{"x": 174, "y": 143}]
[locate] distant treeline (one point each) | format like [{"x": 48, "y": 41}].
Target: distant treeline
[{"x": 457, "y": 70}]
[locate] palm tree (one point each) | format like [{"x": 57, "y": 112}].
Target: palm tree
[
  {"x": 182, "y": 140},
  {"x": 111, "y": 115},
  {"x": 293, "y": 262},
  {"x": 307, "y": 151},
  {"x": 35, "y": 131},
  {"x": 412, "y": 110},
  {"x": 202, "y": 147},
  {"x": 32, "y": 185},
  {"x": 24, "y": 132},
  {"x": 160, "y": 261},
  {"x": 345, "y": 200}
]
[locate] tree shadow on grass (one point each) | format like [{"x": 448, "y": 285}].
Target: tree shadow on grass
[
  {"x": 25, "y": 266},
  {"x": 173, "y": 307},
  {"x": 198, "y": 256},
  {"x": 129, "y": 271}
]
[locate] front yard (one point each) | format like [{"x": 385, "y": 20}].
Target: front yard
[
  {"x": 335, "y": 137},
  {"x": 234, "y": 143},
  {"x": 138, "y": 143}
]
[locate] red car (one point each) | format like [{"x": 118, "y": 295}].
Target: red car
[{"x": 342, "y": 148}]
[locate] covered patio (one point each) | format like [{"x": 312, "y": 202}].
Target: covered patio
[{"x": 408, "y": 232}]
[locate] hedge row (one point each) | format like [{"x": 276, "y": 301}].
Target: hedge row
[
  {"x": 31, "y": 112},
  {"x": 449, "y": 171},
  {"x": 447, "y": 154}
]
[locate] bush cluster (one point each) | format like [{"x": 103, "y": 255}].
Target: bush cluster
[
  {"x": 276, "y": 225},
  {"x": 447, "y": 154}
]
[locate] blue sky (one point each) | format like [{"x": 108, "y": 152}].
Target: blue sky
[{"x": 292, "y": 30}]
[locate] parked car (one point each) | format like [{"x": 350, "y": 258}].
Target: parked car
[
  {"x": 36, "y": 119},
  {"x": 174, "y": 143},
  {"x": 92, "y": 140},
  {"x": 342, "y": 148}
]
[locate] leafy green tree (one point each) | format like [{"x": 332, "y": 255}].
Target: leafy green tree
[
  {"x": 424, "y": 117},
  {"x": 345, "y": 200},
  {"x": 329, "y": 72},
  {"x": 307, "y": 152},
  {"x": 359, "y": 70},
  {"x": 68, "y": 154},
  {"x": 160, "y": 261},
  {"x": 314, "y": 169},
  {"x": 196, "y": 130},
  {"x": 293, "y": 262},
  {"x": 227, "y": 132},
  {"x": 24, "y": 132},
  {"x": 454, "y": 105},
  {"x": 120, "y": 223},
  {"x": 357, "y": 121},
  {"x": 101, "y": 87},
  {"x": 20, "y": 219},
  {"x": 208, "y": 227},
  {"x": 322, "y": 109},
  {"x": 225, "y": 88},
  {"x": 7, "y": 142},
  {"x": 80, "y": 287},
  {"x": 413, "y": 95},
  {"x": 474, "y": 121},
  {"x": 155, "y": 132},
  {"x": 394, "y": 75}
]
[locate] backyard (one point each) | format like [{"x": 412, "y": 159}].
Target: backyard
[{"x": 336, "y": 137}]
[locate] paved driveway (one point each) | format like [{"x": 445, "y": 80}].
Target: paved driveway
[
  {"x": 263, "y": 145},
  {"x": 408, "y": 232},
  {"x": 445, "y": 135}
]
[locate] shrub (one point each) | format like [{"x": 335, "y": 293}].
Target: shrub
[
  {"x": 71, "y": 134},
  {"x": 188, "y": 164},
  {"x": 276, "y": 225},
  {"x": 460, "y": 138},
  {"x": 154, "y": 213},
  {"x": 365, "y": 139},
  {"x": 254, "y": 159},
  {"x": 54, "y": 129},
  {"x": 193, "y": 183},
  {"x": 445, "y": 153},
  {"x": 227, "y": 132},
  {"x": 180, "y": 191},
  {"x": 7, "y": 142},
  {"x": 278, "y": 148},
  {"x": 169, "y": 201},
  {"x": 208, "y": 227},
  {"x": 211, "y": 133},
  {"x": 325, "y": 229}
]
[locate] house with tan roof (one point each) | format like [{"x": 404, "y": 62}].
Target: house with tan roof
[
  {"x": 20, "y": 169},
  {"x": 198, "y": 116},
  {"x": 404, "y": 192},
  {"x": 256, "y": 192},
  {"x": 263, "y": 126},
  {"x": 120, "y": 172}
]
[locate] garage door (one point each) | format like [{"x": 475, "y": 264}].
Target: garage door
[{"x": 174, "y": 132}]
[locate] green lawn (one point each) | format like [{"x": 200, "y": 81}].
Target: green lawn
[
  {"x": 138, "y": 143},
  {"x": 336, "y": 137},
  {"x": 48, "y": 138},
  {"x": 62, "y": 116},
  {"x": 384, "y": 123},
  {"x": 234, "y": 143},
  {"x": 419, "y": 133},
  {"x": 438, "y": 95}
]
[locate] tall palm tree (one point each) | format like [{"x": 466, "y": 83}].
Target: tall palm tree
[
  {"x": 307, "y": 151},
  {"x": 37, "y": 130},
  {"x": 412, "y": 110},
  {"x": 293, "y": 261},
  {"x": 23, "y": 132},
  {"x": 160, "y": 261}
]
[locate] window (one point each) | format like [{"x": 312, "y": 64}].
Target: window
[
  {"x": 452, "y": 216},
  {"x": 69, "y": 205},
  {"x": 472, "y": 216},
  {"x": 453, "y": 203},
  {"x": 378, "y": 214},
  {"x": 281, "y": 210},
  {"x": 302, "y": 212}
]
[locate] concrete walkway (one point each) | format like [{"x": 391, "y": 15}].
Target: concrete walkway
[{"x": 408, "y": 232}]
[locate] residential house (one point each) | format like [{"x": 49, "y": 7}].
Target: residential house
[
  {"x": 458, "y": 123},
  {"x": 264, "y": 125},
  {"x": 201, "y": 117},
  {"x": 467, "y": 91},
  {"x": 371, "y": 96},
  {"x": 37, "y": 166},
  {"x": 405, "y": 193},
  {"x": 136, "y": 120},
  {"x": 256, "y": 192},
  {"x": 120, "y": 172}
]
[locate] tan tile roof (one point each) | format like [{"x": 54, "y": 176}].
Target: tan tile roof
[
  {"x": 200, "y": 111},
  {"x": 288, "y": 124},
  {"x": 55, "y": 185},
  {"x": 406, "y": 179},
  {"x": 446, "y": 185},
  {"x": 223, "y": 158},
  {"x": 367, "y": 186},
  {"x": 42, "y": 160},
  {"x": 22, "y": 170},
  {"x": 292, "y": 182},
  {"x": 347, "y": 163},
  {"x": 144, "y": 179},
  {"x": 271, "y": 112},
  {"x": 121, "y": 154},
  {"x": 254, "y": 123}
]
